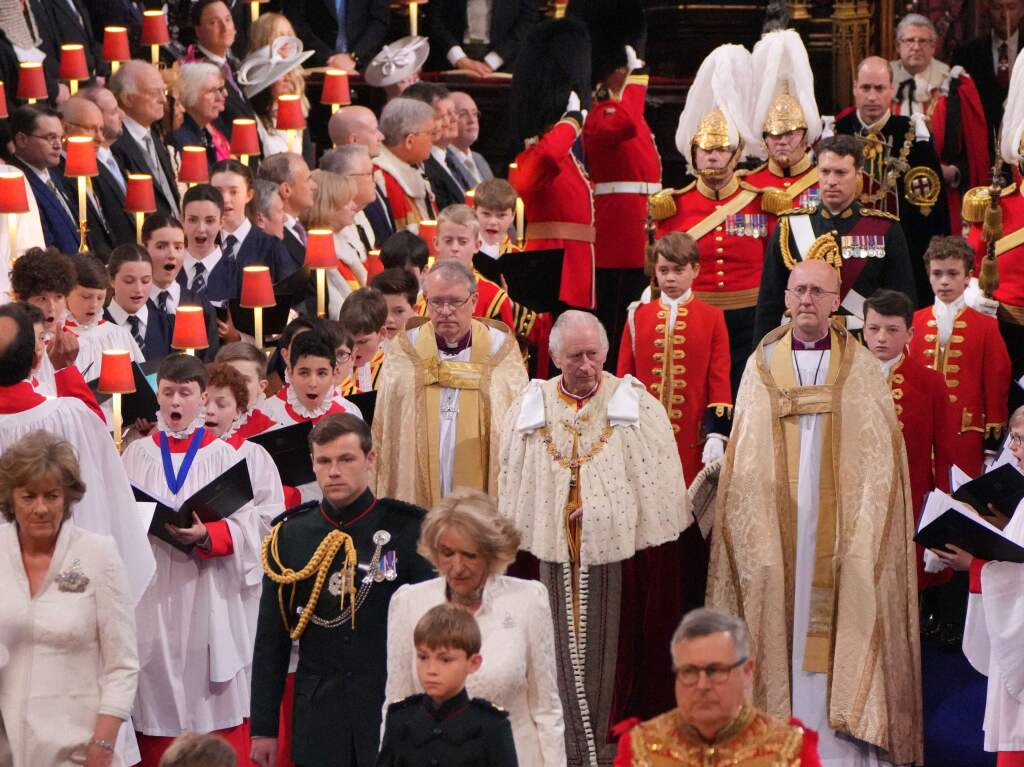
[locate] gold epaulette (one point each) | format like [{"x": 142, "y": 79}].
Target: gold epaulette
[
  {"x": 774, "y": 200},
  {"x": 878, "y": 214},
  {"x": 801, "y": 211},
  {"x": 750, "y": 187},
  {"x": 975, "y": 202},
  {"x": 662, "y": 204}
]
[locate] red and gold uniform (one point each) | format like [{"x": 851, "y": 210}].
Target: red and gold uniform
[
  {"x": 753, "y": 739},
  {"x": 976, "y": 367},
  {"x": 559, "y": 207},
  {"x": 731, "y": 257},
  {"x": 626, "y": 168},
  {"x": 922, "y": 406},
  {"x": 686, "y": 366},
  {"x": 784, "y": 188},
  {"x": 351, "y": 385}
]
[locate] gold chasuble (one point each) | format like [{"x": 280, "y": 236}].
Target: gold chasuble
[
  {"x": 862, "y": 628},
  {"x": 407, "y": 419}
]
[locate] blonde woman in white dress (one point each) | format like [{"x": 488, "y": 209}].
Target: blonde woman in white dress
[{"x": 471, "y": 546}]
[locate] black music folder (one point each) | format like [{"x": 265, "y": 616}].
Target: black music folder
[
  {"x": 1003, "y": 487},
  {"x": 289, "y": 448},
  {"x": 945, "y": 520}
]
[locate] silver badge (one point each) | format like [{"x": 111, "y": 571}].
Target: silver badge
[
  {"x": 337, "y": 584},
  {"x": 72, "y": 580},
  {"x": 381, "y": 537}
]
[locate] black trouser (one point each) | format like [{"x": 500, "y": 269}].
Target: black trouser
[
  {"x": 740, "y": 324},
  {"x": 616, "y": 289}
]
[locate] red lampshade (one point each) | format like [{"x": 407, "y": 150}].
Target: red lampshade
[
  {"x": 189, "y": 328},
  {"x": 289, "y": 112},
  {"x": 116, "y": 375},
  {"x": 195, "y": 168},
  {"x": 244, "y": 138},
  {"x": 373, "y": 264},
  {"x": 115, "y": 44},
  {"x": 470, "y": 196},
  {"x": 428, "y": 231},
  {"x": 257, "y": 289},
  {"x": 139, "y": 196},
  {"x": 13, "y": 197},
  {"x": 320, "y": 253},
  {"x": 336, "y": 88},
  {"x": 3, "y": 100},
  {"x": 73, "y": 65},
  {"x": 81, "y": 157},
  {"x": 31, "y": 81},
  {"x": 154, "y": 28}
]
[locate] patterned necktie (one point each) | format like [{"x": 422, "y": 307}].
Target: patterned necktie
[
  {"x": 161, "y": 300},
  {"x": 229, "y": 247},
  {"x": 115, "y": 171},
  {"x": 199, "y": 281},
  {"x": 1003, "y": 70},
  {"x": 136, "y": 327},
  {"x": 158, "y": 171},
  {"x": 300, "y": 230},
  {"x": 60, "y": 198},
  {"x": 453, "y": 168}
]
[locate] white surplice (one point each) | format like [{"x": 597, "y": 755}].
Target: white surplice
[
  {"x": 108, "y": 506},
  {"x": 810, "y": 690},
  {"x": 195, "y": 640},
  {"x": 518, "y": 672}
]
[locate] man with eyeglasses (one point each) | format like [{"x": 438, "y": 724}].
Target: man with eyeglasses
[
  {"x": 950, "y": 98},
  {"x": 443, "y": 390},
  {"x": 38, "y": 137},
  {"x": 714, "y": 722},
  {"x": 814, "y": 528},
  {"x": 408, "y": 127},
  {"x": 867, "y": 246}
]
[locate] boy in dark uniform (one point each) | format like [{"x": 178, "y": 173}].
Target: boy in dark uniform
[
  {"x": 331, "y": 568},
  {"x": 443, "y": 725}
]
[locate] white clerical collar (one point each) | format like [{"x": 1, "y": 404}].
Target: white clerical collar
[
  {"x": 120, "y": 314},
  {"x": 889, "y": 365}
]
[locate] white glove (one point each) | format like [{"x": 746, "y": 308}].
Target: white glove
[
  {"x": 932, "y": 563},
  {"x": 633, "y": 62},
  {"x": 920, "y": 127},
  {"x": 714, "y": 448},
  {"x": 574, "y": 103},
  {"x": 828, "y": 126},
  {"x": 978, "y": 301}
]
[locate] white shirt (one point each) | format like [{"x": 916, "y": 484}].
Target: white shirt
[
  {"x": 135, "y": 130},
  {"x": 441, "y": 156},
  {"x": 478, "y": 30},
  {"x": 673, "y": 306},
  {"x": 944, "y": 316},
  {"x": 1011, "y": 50},
  {"x": 121, "y": 316},
  {"x": 291, "y": 223},
  {"x": 173, "y": 295},
  {"x": 468, "y": 163},
  {"x": 888, "y": 365},
  {"x": 105, "y": 156},
  {"x": 239, "y": 234},
  {"x": 189, "y": 266}
]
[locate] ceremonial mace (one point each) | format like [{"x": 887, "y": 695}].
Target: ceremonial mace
[{"x": 991, "y": 232}]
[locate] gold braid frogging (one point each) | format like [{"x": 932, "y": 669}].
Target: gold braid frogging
[{"x": 319, "y": 563}]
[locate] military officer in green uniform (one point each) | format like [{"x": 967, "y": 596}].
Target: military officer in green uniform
[
  {"x": 330, "y": 569},
  {"x": 866, "y": 246}
]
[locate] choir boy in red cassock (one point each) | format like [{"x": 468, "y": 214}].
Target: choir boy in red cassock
[
  {"x": 966, "y": 347},
  {"x": 195, "y": 638},
  {"x": 678, "y": 346}
]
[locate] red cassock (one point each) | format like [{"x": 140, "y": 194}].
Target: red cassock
[
  {"x": 686, "y": 368},
  {"x": 730, "y": 262},
  {"x": 559, "y": 208},
  {"x": 971, "y": 142},
  {"x": 1011, "y": 261},
  {"x": 976, "y": 367},
  {"x": 799, "y": 182},
  {"x": 625, "y": 168},
  {"x": 922, "y": 406}
]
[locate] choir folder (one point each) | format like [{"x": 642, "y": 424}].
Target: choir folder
[
  {"x": 289, "y": 448},
  {"x": 947, "y": 520},
  {"x": 1003, "y": 487},
  {"x": 217, "y": 500}
]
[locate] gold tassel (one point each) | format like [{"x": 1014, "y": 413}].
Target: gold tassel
[
  {"x": 775, "y": 201},
  {"x": 992, "y": 228}
]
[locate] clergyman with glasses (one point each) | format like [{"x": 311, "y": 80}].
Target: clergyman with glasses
[
  {"x": 714, "y": 721},
  {"x": 813, "y": 539},
  {"x": 867, "y": 247},
  {"x": 444, "y": 388}
]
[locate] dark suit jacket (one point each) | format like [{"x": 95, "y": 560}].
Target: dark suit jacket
[
  {"x": 133, "y": 159},
  {"x": 159, "y": 332},
  {"x": 378, "y": 213},
  {"x": 59, "y": 230},
  {"x": 510, "y": 22},
  {"x": 190, "y": 134},
  {"x": 446, "y": 189},
  {"x": 236, "y": 105},
  {"x": 222, "y": 283},
  {"x": 976, "y": 57},
  {"x": 98, "y": 236},
  {"x": 261, "y": 249},
  {"x": 64, "y": 26},
  {"x": 366, "y": 22},
  {"x": 120, "y": 223}
]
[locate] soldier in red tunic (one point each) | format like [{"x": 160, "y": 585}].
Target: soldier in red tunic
[
  {"x": 678, "y": 346},
  {"x": 965, "y": 346},
  {"x": 921, "y": 400},
  {"x": 552, "y": 76},
  {"x": 719, "y": 210},
  {"x": 621, "y": 155},
  {"x": 786, "y": 112}
]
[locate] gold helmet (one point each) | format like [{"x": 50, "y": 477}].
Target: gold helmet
[
  {"x": 784, "y": 115},
  {"x": 712, "y": 132},
  {"x": 783, "y": 89},
  {"x": 715, "y": 115}
]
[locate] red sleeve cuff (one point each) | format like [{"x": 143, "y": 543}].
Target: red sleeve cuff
[
  {"x": 221, "y": 544},
  {"x": 975, "y": 574}
]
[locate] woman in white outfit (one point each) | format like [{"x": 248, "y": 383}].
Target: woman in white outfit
[
  {"x": 67, "y": 627},
  {"x": 471, "y": 546}
]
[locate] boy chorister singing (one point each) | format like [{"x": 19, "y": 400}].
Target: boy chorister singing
[
  {"x": 195, "y": 638},
  {"x": 966, "y": 347},
  {"x": 679, "y": 347}
]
